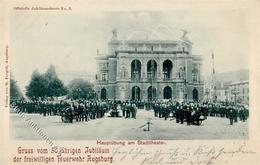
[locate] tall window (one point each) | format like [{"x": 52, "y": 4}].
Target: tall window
[
  {"x": 167, "y": 69},
  {"x": 195, "y": 75},
  {"x": 151, "y": 69},
  {"x": 123, "y": 73},
  {"x": 104, "y": 76},
  {"x": 136, "y": 70}
]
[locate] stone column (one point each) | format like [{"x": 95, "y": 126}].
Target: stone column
[
  {"x": 160, "y": 91},
  {"x": 143, "y": 93},
  {"x": 143, "y": 69},
  {"x": 160, "y": 69}
]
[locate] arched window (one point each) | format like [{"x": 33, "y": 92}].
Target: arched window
[
  {"x": 195, "y": 76},
  {"x": 151, "y": 93},
  {"x": 151, "y": 69},
  {"x": 167, "y": 69},
  {"x": 135, "y": 93},
  {"x": 136, "y": 70}
]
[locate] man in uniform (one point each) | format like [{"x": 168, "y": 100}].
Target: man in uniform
[
  {"x": 123, "y": 107},
  {"x": 182, "y": 113},
  {"x": 134, "y": 110},
  {"x": 86, "y": 111},
  {"x": 128, "y": 107},
  {"x": 178, "y": 113},
  {"x": 231, "y": 114},
  {"x": 159, "y": 109},
  {"x": 188, "y": 114},
  {"x": 155, "y": 109},
  {"x": 235, "y": 107}
]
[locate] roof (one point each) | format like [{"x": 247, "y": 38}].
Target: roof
[
  {"x": 149, "y": 41},
  {"x": 240, "y": 83}
]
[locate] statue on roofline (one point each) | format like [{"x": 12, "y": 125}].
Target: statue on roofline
[
  {"x": 114, "y": 32},
  {"x": 184, "y": 34}
]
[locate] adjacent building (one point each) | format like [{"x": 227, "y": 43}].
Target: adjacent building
[
  {"x": 149, "y": 70},
  {"x": 238, "y": 92}
]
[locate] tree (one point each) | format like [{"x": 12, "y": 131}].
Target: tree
[
  {"x": 51, "y": 74},
  {"x": 45, "y": 85},
  {"x": 56, "y": 88},
  {"x": 55, "y": 85},
  {"x": 81, "y": 89},
  {"x": 37, "y": 87},
  {"x": 15, "y": 92}
]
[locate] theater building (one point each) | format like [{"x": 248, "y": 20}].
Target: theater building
[{"x": 149, "y": 69}]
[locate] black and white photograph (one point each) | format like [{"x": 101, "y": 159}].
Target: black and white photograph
[{"x": 130, "y": 75}]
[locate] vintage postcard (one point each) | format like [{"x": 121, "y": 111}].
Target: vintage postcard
[{"x": 129, "y": 82}]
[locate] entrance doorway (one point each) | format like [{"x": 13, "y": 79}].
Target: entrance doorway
[
  {"x": 103, "y": 94},
  {"x": 167, "y": 93},
  {"x": 195, "y": 94}
]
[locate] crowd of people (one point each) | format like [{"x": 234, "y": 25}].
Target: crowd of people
[
  {"x": 69, "y": 110},
  {"x": 194, "y": 112},
  {"x": 85, "y": 110}
]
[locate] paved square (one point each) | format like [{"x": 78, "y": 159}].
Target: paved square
[{"x": 123, "y": 129}]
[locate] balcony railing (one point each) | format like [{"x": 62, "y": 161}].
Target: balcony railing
[
  {"x": 135, "y": 79},
  {"x": 151, "y": 52},
  {"x": 104, "y": 81},
  {"x": 151, "y": 76}
]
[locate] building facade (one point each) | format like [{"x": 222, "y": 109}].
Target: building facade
[
  {"x": 238, "y": 92},
  {"x": 149, "y": 70},
  {"x": 222, "y": 91}
]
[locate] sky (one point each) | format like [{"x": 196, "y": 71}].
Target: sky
[{"x": 70, "y": 41}]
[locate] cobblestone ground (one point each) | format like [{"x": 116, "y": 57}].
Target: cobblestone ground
[{"x": 122, "y": 129}]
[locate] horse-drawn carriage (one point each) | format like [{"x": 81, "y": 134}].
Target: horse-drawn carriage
[
  {"x": 114, "y": 113},
  {"x": 115, "y": 110},
  {"x": 197, "y": 120},
  {"x": 67, "y": 115}
]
